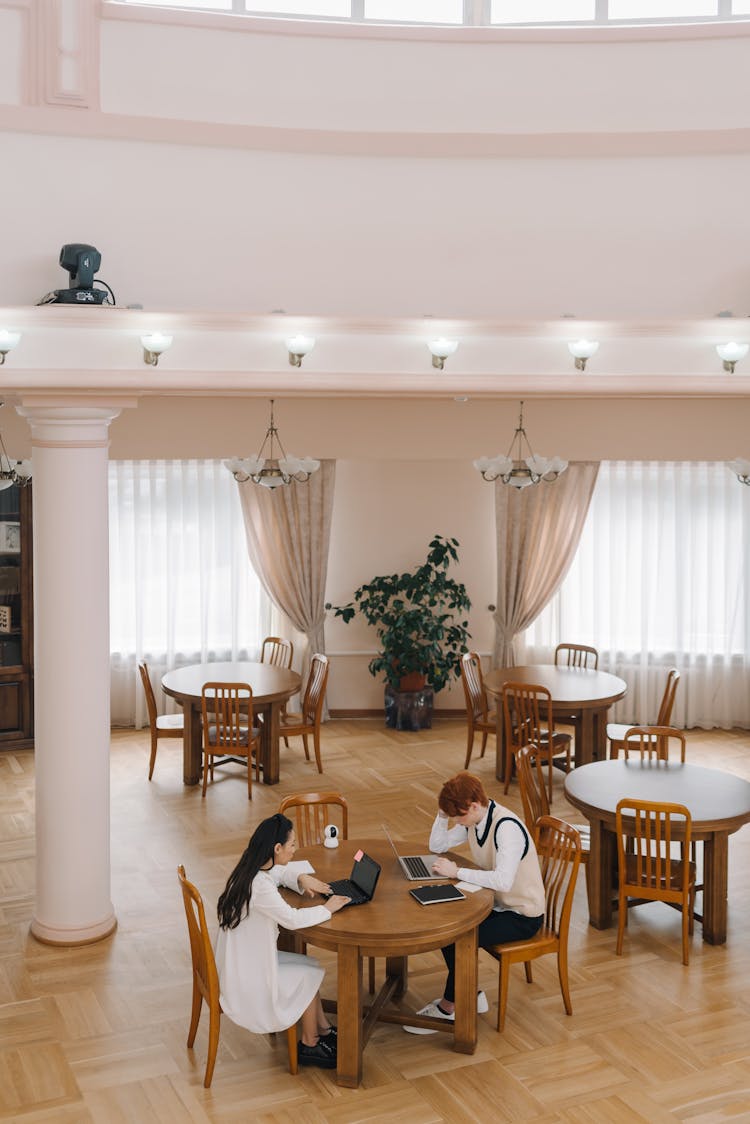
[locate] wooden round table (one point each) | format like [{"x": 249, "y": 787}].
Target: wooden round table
[
  {"x": 579, "y": 694},
  {"x": 719, "y": 805},
  {"x": 271, "y": 686},
  {"x": 393, "y": 925}
]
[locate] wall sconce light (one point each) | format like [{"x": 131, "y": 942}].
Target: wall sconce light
[
  {"x": 581, "y": 350},
  {"x": 440, "y": 349},
  {"x": 8, "y": 340},
  {"x": 298, "y": 347},
  {"x": 153, "y": 345},
  {"x": 731, "y": 353}
]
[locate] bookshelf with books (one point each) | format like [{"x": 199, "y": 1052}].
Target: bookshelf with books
[{"x": 16, "y": 619}]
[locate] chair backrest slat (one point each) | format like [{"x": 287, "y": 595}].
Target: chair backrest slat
[
  {"x": 222, "y": 707},
  {"x": 559, "y": 848},
  {"x": 316, "y": 688},
  {"x": 473, "y": 684},
  {"x": 312, "y": 812},
  {"x": 667, "y": 703},
  {"x": 577, "y": 655},
  {"x": 531, "y": 783},
  {"x": 148, "y": 690},
  {"x": 654, "y": 742},
  {"x": 277, "y": 651}
]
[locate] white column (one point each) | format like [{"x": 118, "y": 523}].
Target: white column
[{"x": 71, "y": 672}]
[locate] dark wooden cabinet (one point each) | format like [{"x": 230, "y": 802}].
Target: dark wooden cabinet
[{"x": 16, "y": 619}]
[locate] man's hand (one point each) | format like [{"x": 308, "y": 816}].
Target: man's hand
[
  {"x": 445, "y": 868},
  {"x": 310, "y": 885}
]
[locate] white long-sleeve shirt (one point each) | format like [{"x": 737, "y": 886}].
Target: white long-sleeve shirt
[{"x": 510, "y": 850}]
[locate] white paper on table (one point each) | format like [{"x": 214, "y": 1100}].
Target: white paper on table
[
  {"x": 300, "y": 866},
  {"x": 469, "y": 886}
]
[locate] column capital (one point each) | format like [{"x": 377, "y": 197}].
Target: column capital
[{"x": 79, "y": 427}]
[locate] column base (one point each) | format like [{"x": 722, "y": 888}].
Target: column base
[{"x": 48, "y": 934}]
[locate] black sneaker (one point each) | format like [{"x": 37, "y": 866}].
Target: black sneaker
[
  {"x": 330, "y": 1037},
  {"x": 321, "y": 1055}
]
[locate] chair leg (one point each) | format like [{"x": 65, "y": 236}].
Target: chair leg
[
  {"x": 152, "y": 762},
  {"x": 484, "y": 742},
  {"x": 502, "y": 991},
  {"x": 562, "y": 971},
  {"x": 195, "y": 1015},
  {"x": 316, "y": 747},
  {"x": 307, "y": 750},
  {"x": 687, "y": 913},
  {"x": 622, "y": 920},
  {"x": 508, "y": 764},
  {"x": 527, "y": 967},
  {"x": 291, "y": 1040},
  {"x": 205, "y": 773},
  {"x": 469, "y": 746},
  {"x": 249, "y": 779},
  {"x": 371, "y": 975},
  {"x": 213, "y": 1045}
]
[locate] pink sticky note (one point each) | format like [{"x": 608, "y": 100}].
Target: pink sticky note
[{"x": 358, "y": 856}]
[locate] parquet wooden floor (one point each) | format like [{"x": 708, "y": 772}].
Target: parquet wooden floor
[{"x": 98, "y": 1033}]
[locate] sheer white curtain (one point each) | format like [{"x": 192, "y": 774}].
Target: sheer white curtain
[
  {"x": 661, "y": 579},
  {"x": 181, "y": 587}
]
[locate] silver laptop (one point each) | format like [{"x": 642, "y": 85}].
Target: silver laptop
[{"x": 417, "y": 868}]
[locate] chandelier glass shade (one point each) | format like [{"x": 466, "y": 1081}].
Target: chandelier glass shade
[
  {"x": 741, "y": 468},
  {"x": 520, "y": 467},
  {"x": 269, "y": 468}
]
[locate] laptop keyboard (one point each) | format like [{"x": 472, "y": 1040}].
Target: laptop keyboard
[
  {"x": 416, "y": 867},
  {"x": 348, "y": 889}
]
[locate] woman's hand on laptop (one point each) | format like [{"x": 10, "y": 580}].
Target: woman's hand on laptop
[
  {"x": 310, "y": 885},
  {"x": 445, "y": 868},
  {"x": 336, "y": 902}
]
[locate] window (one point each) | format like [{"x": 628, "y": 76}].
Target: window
[{"x": 661, "y": 578}]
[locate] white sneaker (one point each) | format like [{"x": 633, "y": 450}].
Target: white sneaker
[{"x": 433, "y": 1011}]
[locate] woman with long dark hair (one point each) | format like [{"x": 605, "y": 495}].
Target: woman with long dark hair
[{"x": 261, "y": 988}]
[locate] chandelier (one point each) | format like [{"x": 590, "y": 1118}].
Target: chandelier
[
  {"x": 741, "y": 468},
  {"x": 520, "y": 467},
  {"x": 18, "y": 472},
  {"x": 271, "y": 470}
]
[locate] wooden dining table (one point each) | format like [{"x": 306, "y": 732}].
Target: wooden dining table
[
  {"x": 579, "y": 694},
  {"x": 719, "y": 804},
  {"x": 392, "y": 926},
  {"x": 271, "y": 687}
]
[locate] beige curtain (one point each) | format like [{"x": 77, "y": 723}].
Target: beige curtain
[
  {"x": 288, "y": 533},
  {"x": 538, "y": 531}
]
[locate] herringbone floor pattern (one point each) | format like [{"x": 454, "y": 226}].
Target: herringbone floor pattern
[{"x": 98, "y": 1033}]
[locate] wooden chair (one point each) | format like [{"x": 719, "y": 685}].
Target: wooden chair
[
  {"x": 647, "y": 869},
  {"x": 312, "y": 811},
  {"x": 559, "y": 848},
  {"x": 161, "y": 725},
  {"x": 576, "y": 655},
  {"x": 277, "y": 651},
  {"x": 527, "y": 713},
  {"x": 227, "y": 733},
  {"x": 616, "y": 731},
  {"x": 206, "y": 980},
  {"x": 534, "y": 796},
  {"x": 308, "y": 722},
  {"x": 479, "y": 717},
  {"x": 653, "y": 742}
]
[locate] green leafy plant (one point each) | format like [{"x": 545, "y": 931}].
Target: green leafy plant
[{"x": 417, "y": 616}]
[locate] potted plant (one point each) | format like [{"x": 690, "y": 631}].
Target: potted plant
[{"x": 418, "y": 619}]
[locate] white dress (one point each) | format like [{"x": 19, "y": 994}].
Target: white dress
[{"x": 261, "y": 988}]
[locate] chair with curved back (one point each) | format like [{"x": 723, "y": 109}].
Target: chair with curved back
[
  {"x": 479, "y": 718},
  {"x": 160, "y": 725},
  {"x": 654, "y": 742},
  {"x": 308, "y": 722},
  {"x": 227, "y": 734},
  {"x": 616, "y": 731},
  {"x": 206, "y": 980},
  {"x": 647, "y": 868},
  {"x": 576, "y": 655},
  {"x": 534, "y": 796},
  {"x": 312, "y": 812},
  {"x": 527, "y": 714},
  {"x": 559, "y": 848},
  {"x": 278, "y": 652}
]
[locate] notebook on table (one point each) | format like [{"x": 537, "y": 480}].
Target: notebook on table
[
  {"x": 431, "y": 895},
  {"x": 417, "y": 868},
  {"x": 361, "y": 883}
]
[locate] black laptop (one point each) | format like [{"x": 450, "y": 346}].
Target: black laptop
[{"x": 360, "y": 886}]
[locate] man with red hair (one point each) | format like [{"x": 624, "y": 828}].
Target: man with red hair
[{"x": 503, "y": 849}]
